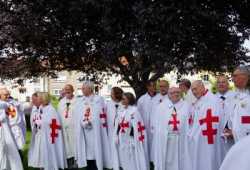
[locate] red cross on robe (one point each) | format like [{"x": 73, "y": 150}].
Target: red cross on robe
[
  {"x": 11, "y": 112},
  {"x": 54, "y": 127},
  {"x": 103, "y": 117},
  {"x": 174, "y": 122},
  {"x": 141, "y": 129},
  {"x": 87, "y": 115},
  {"x": 124, "y": 125},
  {"x": 245, "y": 119},
  {"x": 209, "y": 120}
]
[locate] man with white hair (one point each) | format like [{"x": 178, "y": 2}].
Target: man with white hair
[
  {"x": 65, "y": 108},
  {"x": 16, "y": 118},
  {"x": 9, "y": 157},
  {"x": 170, "y": 132},
  {"x": 204, "y": 134},
  {"x": 92, "y": 142},
  {"x": 240, "y": 114}
]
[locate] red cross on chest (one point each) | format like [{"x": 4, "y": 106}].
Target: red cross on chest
[
  {"x": 124, "y": 125},
  {"x": 87, "y": 114},
  {"x": 141, "y": 129},
  {"x": 103, "y": 117},
  {"x": 11, "y": 112},
  {"x": 174, "y": 122},
  {"x": 245, "y": 119},
  {"x": 54, "y": 133},
  {"x": 209, "y": 120}
]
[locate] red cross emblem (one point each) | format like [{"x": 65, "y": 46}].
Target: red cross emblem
[
  {"x": 141, "y": 129},
  {"x": 11, "y": 112},
  {"x": 103, "y": 117},
  {"x": 54, "y": 127},
  {"x": 209, "y": 132},
  {"x": 190, "y": 120},
  {"x": 87, "y": 114},
  {"x": 123, "y": 125},
  {"x": 245, "y": 119},
  {"x": 174, "y": 122}
]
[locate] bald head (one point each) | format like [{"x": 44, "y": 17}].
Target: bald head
[
  {"x": 198, "y": 88},
  {"x": 174, "y": 94},
  {"x": 68, "y": 91},
  {"x": 163, "y": 85},
  {"x": 241, "y": 77},
  {"x": 222, "y": 84}
]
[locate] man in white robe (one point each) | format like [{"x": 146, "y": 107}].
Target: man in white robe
[
  {"x": 240, "y": 113},
  {"x": 225, "y": 97},
  {"x": 204, "y": 133},
  {"x": 9, "y": 156},
  {"x": 238, "y": 157},
  {"x": 171, "y": 132},
  {"x": 92, "y": 148},
  {"x": 185, "y": 86},
  {"x": 47, "y": 147},
  {"x": 65, "y": 108},
  {"x": 145, "y": 107},
  {"x": 16, "y": 118}
]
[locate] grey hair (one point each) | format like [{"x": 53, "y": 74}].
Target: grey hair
[
  {"x": 244, "y": 70},
  {"x": 89, "y": 84}
]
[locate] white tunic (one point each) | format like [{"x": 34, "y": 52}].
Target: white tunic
[
  {"x": 17, "y": 122},
  {"x": 240, "y": 115},
  {"x": 66, "y": 115},
  {"x": 9, "y": 156},
  {"x": 238, "y": 157},
  {"x": 204, "y": 134},
  {"x": 171, "y": 135},
  {"x": 225, "y": 101},
  {"x": 113, "y": 109},
  {"x": 146, "y": 106},
  {"x": 91, "y": 127},
  {"x": 47, "y": 147},
  {"x": 189, "y": 97},
  {"x": 131, "y": 141}
]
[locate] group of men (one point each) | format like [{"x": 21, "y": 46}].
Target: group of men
[{"x": 181, "y": 128}]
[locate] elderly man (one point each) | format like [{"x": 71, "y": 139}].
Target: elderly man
[
  {"x": 225, "y": 97},
  {"x": 185, "y": 86},
  {"x": 9, "y": 157},
  {"x": 91, "y": 129},
  {"x": 170, "y": 132},
  {"x": 240, "y": 114},
  {"x": 66, "y": 104},
  {"x": 204, "y": 133}
]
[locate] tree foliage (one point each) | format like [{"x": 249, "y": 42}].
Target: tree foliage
[{"x": 138, "y": 39}]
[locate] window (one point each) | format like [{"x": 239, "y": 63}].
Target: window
[
  {"x": 56, "y": 92},
  {"x": 205, "y": 77},
  {"x": 61, "y": 78}
]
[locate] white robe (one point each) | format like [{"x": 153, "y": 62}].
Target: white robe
[
  {"x": 225, "y": 122},
  {"x": 204, "y": 136},
  {"x": 47, "y": 147},
  {"x": 113, "y": 109},
  {"x": 17, "y": 122},
  {"x": 130, "y": 141},
  {"x": 171, "y": 135},
  {"x": 240, "y": 115},
  {"x": 65, "y": 109},
  {"x": 189, "y": 97},
  {"x": 238, "y": 158},
  {"x": 9, "y": 156},
  {"x": 146, "y": 106},
  {"x": 91, "y": 129}
]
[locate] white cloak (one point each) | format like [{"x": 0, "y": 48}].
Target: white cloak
[
  {"x": 17, "y": 122},
  {"x": 238, "y": 157},
  {"x": 91, "y": 129},
  {"x": 240, "y": 115},
  {"x": 47, "y": 147},
  {"x": 225, "y": 101},
  {"x": 204, "y": 136},
  {"x": 113, "y": 109},
  {"x": 9, "y": 156},
  {"x": 171, "y": 135},
  {"x": 130, "y": 141},
  {"x": 65, "y": 110}
]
